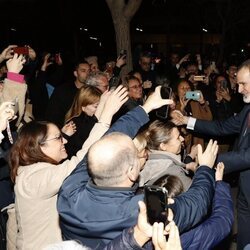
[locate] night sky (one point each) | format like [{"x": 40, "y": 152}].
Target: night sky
[{"x": 58, "y": 24}]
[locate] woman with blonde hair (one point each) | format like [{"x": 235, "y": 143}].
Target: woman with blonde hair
[
  {"x": 165, "y": 142},
  {"x": 84, "y": 114}
]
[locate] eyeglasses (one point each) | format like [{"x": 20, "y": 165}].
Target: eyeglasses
[
  {"x": 136, "y": 87},
  {"x": 57, "y": 138}
]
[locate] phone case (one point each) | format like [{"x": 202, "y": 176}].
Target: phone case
[
  {"x": 21, "y": 50},
  {"x": 193, "y": 95},
  {"x": 166, "y": 93},
  {"x": 156, "y": 203}
]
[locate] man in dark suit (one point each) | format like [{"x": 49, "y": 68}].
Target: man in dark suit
[{"x": 239, "y": 158}]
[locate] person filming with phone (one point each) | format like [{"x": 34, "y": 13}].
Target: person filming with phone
[{"x": 191, "y": 103}]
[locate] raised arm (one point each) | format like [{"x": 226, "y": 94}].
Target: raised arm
[
  {"x": 219, "y": 224},
  {"x": 192, "y": 206}
]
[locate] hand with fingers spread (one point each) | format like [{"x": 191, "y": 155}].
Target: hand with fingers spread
[
  {"x": 208, "y": 157},
  {"x": 159, "y": 239},
  {"x": 219, "y": 171},
  {"x": 155, "y": 101},
  {"x": 16, "y": 63},
  {"x": 113, "y": 103},
  {"x": 6, "y": 113},
  {"x": 7, "y": 53}
]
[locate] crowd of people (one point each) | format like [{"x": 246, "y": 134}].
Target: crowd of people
[{"x": 76, "y": 155}]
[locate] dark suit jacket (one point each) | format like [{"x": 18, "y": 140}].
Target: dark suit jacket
[{"x": 239, "y": 158}]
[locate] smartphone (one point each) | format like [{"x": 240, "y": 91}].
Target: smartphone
[
  {"x": 199, "y": 78},
  {"x": 156, "y": 199},
  {"x": 193, "y": 95},
  {"x": 21, "y": 50},
  {"x": 123, "y": 52},
  {"x": 166, "y": 93},
  {"x": 224, "y": 84}
]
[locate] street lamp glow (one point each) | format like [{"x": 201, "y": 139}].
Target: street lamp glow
[{"x": 205, "y": 30}]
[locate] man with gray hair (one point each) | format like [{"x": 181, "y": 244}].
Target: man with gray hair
[{"x": 99, "y": 80}]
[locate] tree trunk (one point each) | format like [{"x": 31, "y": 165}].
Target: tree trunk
[{"x": 122, "y": 12}]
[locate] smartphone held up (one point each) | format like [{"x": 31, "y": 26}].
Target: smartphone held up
[
  {"x": 123, "y": 52},
  {"x": 21, "y": 50},
  {"x": 166, "y": 93},
  {"x": 156, "y": 199},
  {"x": 193, "y": 95}
]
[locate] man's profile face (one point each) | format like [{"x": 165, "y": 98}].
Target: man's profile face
[{"x": 243, "y": 79}]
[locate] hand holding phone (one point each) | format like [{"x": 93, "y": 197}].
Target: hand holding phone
[
  {"x": 156, "y": 199},
  {"x": 166, "y": 93},
  {"x": 123, "y": 52}
]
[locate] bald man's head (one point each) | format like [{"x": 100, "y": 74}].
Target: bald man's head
[{"x": 110, "y": 159}]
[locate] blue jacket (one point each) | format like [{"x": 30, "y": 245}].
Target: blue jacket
[
  {"x": 95, "y": 215},
  {"x": 81, "y": 203},
  {"x": 239, "y": 158},
  {"x": 214, "y": 229}
]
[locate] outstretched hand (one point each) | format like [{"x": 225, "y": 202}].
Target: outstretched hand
[
  {"x": 154, "y": 101},
  {"x": 208, "y": 157},
  {"x": 114, "y": 100}
]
